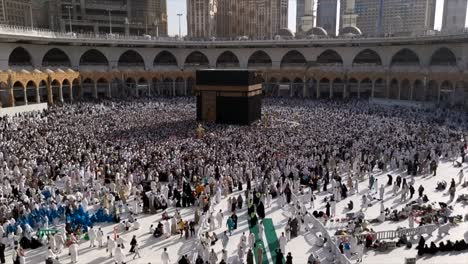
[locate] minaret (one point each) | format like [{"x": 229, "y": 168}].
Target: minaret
[{"x": 308, "y": 20}]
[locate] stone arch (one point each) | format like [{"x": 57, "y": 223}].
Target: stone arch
[
  {"x": 418, "y": 91},
  {"x": 167, "y": 86},
  {"x": 447, "y": 89},
  {"x": 352, "y": 88},
  {"x": 19, "y": 93},
  {"x": 380, "y": 90},
  {"x": 31, "y": 92},
  {"x": 227, "y": 59},
  {"x": 87, "y": 89},
  {"x": 394, "y": 90},
  {"x": 297, "y": 87},
  {"x": 165, "y": 59},
  {"x": 293, "y": 59},
  {"x": 271, "y": 87},
  {"x": 116, "y": 89},
  {"x": 405, "y": 57},
  {"x": 311, "y": 88},
  {"x": 443, "y": 57},
  {"x": 55, "y": 87},
  {"x": 324, "y": 88},
  {"x": 130, "y": 87},
  {"x": 329, "y": 57},
  {"x": 196, "y": 59},
  {"x": 459, "y": 94},
  {"x": 67, "y": 90},
  {"x": 92, "y": 58},
  {"x": 76, "y": 89},
  {"x": 259, "y": 59},
  {"x": 5, "y": 98},
  {"x": 338, "y": 88},
  {"x": 190, "y": 85},
  {"x": 405, "y": 90},
  {"x": 43, "y": 92},
  {"x": 432, "y": 91},
  {"x": 131, "y": 58},
  {"x": 102, "y": 87},
  {"x": 56, "y": 58},
  {"x": 143, "y": 87},
  {"x": 179, "y": 86},
  {"x": 367, "y": 57},
  {"x": 365, "y": 90},
  {"x": 20, "y": 57}
]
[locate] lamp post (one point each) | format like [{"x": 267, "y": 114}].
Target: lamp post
[
  {"x": 110, "y": 22},
  {"x": 31, "y": 15},
  {"x": 69, "y": 17},
  {"x": 180, "y": 30}
]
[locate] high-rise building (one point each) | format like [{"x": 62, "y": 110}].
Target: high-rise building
[
  {"x": 16, "y": 12},
  {"x": 454, "y": 15},
  {"x": 201, "y": 18},
  {"x": 349, "y": 16},
  {"x": 396, "y": 16},
  {"x": 110, "y": 16},
  {"x": 306, "y": 15},
  {"x": 328, "y": 16},
  {"x": 256, "y": 19}
]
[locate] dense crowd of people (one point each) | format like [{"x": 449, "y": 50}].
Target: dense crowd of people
[{"x": 86, "y": 163}]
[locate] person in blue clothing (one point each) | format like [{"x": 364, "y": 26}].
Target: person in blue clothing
[{"x": 230, "y": 225}]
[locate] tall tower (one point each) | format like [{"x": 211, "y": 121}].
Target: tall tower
[
  {"x": 307, "y": 19},
  {"x": 201, "y": 18},
  {"x": 328, "y": 16},
  {"x": 454, "y": 15}
]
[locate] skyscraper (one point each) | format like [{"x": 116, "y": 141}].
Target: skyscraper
[
  {"x": 136, "y": 17},
  {"x": 398, "y": 16},
  {"x": 306, "y": 15},
  {"x": 328, "y": 16},
  {"x": 16, "y": 12},
  {"x": 201, "y": 18},
  {"x": 256, "y": 19},
  {"x": 454, "y": 15}
]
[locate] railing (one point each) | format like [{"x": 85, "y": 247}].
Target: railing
[
  {"x": 45, "y": 33},
  {"x": 426, "y": 229}
]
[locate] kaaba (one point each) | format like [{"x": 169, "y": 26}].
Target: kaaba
[{"x": 228, "y": 96}]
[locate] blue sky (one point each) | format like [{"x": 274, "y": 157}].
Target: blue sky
[{"x": 179, "y": 6}]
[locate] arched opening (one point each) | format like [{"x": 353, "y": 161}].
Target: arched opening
[
  {"x": 259, "y": 59},
  {"x": 20, "y": 58},
  {"x": 167, "y": 87},
  {"x": 155, "y": 87},
  {"x": 293, "y": 59},
  {"x": 131, "y": 59},
  {"x": 405, "y": 90},
  {"x": 227, "y": 60},
  {"x": 365, "y": 90},
  {"x": 32, "y": 92},
  {"x": 43, "y": 92},
  {"x": 19, "y": 94},
  {"x": 285, "y": 87},
  {"x": 460, "y": 88},
  {"x": 443, "y": 57},
  {"x": 93, "y": 59},
  {"x": 329, "y": 58},
  {"x": 56, "y": 58},
  {"x": 353, "y": 88},
  {"x": 418, "y": 91},
  {"x": 165, "y": 60},
  {"x": 56, "y": 86},
  {"x": 367, "y": 57},
  {"x": 102, "y": 86},
  {"x": 338, "y": 88},
  {"x": 87, "y": 89},
  {"x": 446, "y": 93},
  {"x": 272, "y": 87},
  {"x": 297, "y": 88},
  {"x": 116, "y": 88},
  {"x": 405, "y": 57},
  {"x": 130, "y": 87},
  {"x": 179, "y": 86},
  {"x": 5, "y": 98},
  {"x": 76, "y": 90},
  {"x": 380, "y": 89},
  {"x": 432, "y": 91},
  {"x": 311, "y": 88},
  {"x": 66, "y": 90},
  {"x": 143, "y": 88},
  {"x": 190, "y": 85},
  {"x": 394, "y": 91},
  {"x": 324, "y": 88},
  {"x": 196, "y": 59}
]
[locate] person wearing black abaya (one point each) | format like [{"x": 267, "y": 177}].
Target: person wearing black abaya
[
  {"x": 327, "y": 212},
  {"x": 261, "y": 210},
  {"x": 279, "y": 257}
]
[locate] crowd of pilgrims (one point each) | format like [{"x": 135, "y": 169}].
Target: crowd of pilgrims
[{"x": 112, "y": 157}]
